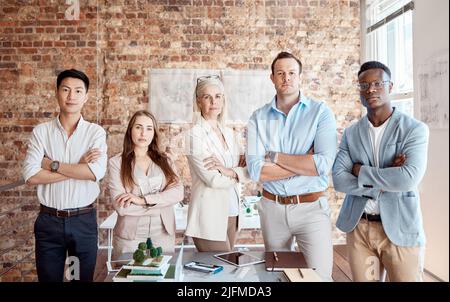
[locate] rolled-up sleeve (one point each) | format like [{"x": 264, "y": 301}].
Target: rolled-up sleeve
[
  {"x": 256, "y": 151},
  {"x": 325, "y": 142},
  {"x": 35, "y": 154},
  {"x": 98, "y": 168}
]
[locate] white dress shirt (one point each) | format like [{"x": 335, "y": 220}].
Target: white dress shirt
[
  {"x": 375, "y": 133},
  {"x": 51, "y": 140}
]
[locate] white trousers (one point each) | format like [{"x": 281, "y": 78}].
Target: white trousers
[{"x": 308, "y": 223}]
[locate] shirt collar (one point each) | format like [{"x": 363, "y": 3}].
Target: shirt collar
[
  {"x": 303, "y": 100},
  {"x": 79, "y": 124}
]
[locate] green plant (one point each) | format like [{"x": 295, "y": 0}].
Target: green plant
[
  {"x": 142, "y": 246},
  {"x": 139, "y": 256},
  {"x": 153, "y": 252}
]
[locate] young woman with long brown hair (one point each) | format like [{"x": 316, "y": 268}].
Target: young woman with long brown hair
[{"x": 144, "y": 187}]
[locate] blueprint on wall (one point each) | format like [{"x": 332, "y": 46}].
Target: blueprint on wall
[
  {"x": 172, "y": 93},
  {"x": 433, "y": 91},
  {"x": 246, "y": 90}
]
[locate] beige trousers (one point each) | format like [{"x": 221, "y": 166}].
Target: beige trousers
[
  {"x": 149, "y": 226},
  {"x": 308, "y": 223},
  {"x": 371, "y": 251},
  {"x": 204, "y": 245}
]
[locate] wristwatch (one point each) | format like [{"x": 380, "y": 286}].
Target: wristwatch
[
  {"x": 54, "y": 166},
  {"x": 273, "y": 156}
]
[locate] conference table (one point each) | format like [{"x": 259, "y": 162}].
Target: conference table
[{"x": 230, "y": 273}]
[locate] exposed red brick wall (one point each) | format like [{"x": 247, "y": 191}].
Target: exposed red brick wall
[{"x": 117, "y": 42}]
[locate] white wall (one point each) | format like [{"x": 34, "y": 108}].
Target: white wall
[{"x": 430, "y": 37}]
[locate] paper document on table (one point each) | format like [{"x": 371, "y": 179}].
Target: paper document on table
[{"x": 302, "y": 275}]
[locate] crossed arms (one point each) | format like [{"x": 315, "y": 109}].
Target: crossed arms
[
  {"x": 287, "y": 165},
  {"x": 402, "y": 175},
  {"x": 91, "y": 166},
  {"x": 316, "y": 162},
  {"x": 128, "y": 204}
]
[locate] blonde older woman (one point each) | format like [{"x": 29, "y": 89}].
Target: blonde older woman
[{"x": 216, "y": 169}]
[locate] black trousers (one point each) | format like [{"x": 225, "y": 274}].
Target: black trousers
[{"x": 57, "y": 237}]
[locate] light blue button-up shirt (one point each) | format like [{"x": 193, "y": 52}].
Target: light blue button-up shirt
[{"x": 308, "y": 123}]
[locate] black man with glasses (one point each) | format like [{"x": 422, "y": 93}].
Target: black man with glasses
[{"x": 380, "y": 163}]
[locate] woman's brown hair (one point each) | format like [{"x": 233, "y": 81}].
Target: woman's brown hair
[{"x": 158, "y": 157}]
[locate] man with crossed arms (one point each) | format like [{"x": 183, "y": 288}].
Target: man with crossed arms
[{"x": 291, "y": 148}]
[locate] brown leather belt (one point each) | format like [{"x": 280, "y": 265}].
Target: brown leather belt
[
  {"x": 67, "y": 213},
  {"x": 370, "y": 217},
  {"x": 294, "y": 199}
]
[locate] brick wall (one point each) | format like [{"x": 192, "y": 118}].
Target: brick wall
[{"x": 117, "y": 42}]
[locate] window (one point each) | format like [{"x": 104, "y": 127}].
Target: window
[{"x": 389, "y": 40}]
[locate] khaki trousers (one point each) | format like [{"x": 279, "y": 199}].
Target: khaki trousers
[
  {"x": 371, "y": 251},
  {"x": 204, "y": 245},
  {"x": 308, "y": 223}
]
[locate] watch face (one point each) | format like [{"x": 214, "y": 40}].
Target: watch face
[{"x": 54, "y": 166}]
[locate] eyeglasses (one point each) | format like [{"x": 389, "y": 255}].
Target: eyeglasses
[
  {"x": 208, "y": 77},
  {"x": 377, "y": 84}
]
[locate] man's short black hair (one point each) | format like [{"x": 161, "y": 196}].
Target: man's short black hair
[
  {"x": 286, "y": 55},
  {"x": 374, "y": 65},
  {"x": 73, "y": 73}
]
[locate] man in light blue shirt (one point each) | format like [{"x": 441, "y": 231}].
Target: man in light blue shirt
[{"x": 290, "y": 149}]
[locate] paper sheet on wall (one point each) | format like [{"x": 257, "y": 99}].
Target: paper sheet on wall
[
  {"x": 433, "y": 91},
  {"x": 172, "y": 90},
  {"x": 246, "y": 90},
  {"x": 171, "y": 93}
]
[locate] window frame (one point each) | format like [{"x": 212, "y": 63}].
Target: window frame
[{"x": 373, "y": 49}]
